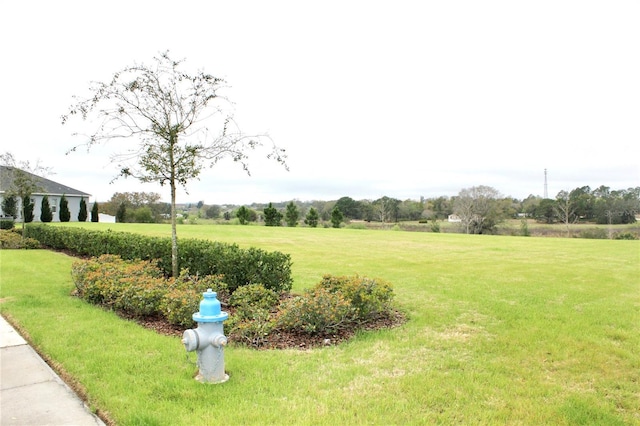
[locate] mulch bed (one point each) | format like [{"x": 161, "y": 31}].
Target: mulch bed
[
  {"x": 276, "y": 340},
  {"x": 284, "y": 340}
]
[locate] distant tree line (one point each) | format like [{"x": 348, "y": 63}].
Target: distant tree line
[
  {"x": 139, "y": 207},
  {"x": 478, "y": 209}
]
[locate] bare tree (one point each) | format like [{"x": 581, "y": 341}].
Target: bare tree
[
  {"x": 478, "y": 208},
  {"x": 566, "y": 209},
  {"x": 386, "y": 209},
  {"x": 171, "y": 114}
]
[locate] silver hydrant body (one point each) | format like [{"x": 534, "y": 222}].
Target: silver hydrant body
[{"x": 208, "y": 340}]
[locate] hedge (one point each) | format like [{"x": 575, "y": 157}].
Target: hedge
[{"x": 200, "y": 257}]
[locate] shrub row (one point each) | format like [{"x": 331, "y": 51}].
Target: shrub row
[
  {"x": 200, "y": 257},
  {"x": 139, "y": 289},
  {"x": 332, "y": 305}
]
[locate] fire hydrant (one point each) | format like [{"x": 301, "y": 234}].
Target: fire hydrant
[{"x": 208, "y": 340}]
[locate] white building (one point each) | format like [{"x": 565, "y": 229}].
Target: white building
[
  {"x": 454, "y": 218},
  {"x": 53, "y": 190}
]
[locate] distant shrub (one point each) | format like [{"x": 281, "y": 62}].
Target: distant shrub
[
  {"x": 625, "y": 236},
  {"x": 595, "y": 233},
  {"x": 46, "y": 215},
  {"x": 64, "y": 214},
  {"x": 356, "y": 225},
  {"x": 82, "y": 213}
]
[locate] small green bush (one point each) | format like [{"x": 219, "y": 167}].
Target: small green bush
[
  {"x": 253, "y": 297},
  {"x": 368, "y": 297},
  {"x": 106, "y": 280},
  {"x": 179, "y": 305},
  {"x": 13, "y": 240},
  {"x": 141, "y": 296},
  {"x": 6, "y": 223},
  {"x": 252, "y": 329},
  {"x": 252, "y": 322},
  {"x": 184, "y": 295},
  {"x": 316, "y": 311}
]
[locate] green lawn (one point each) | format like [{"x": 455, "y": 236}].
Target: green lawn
[{"x": 506, "y": 330}]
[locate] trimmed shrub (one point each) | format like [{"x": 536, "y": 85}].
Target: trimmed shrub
[
  {"x": 368, "y": 297},
  {"x": 141, "y": 296},
  {"x": 252, "y": 320},
  {"x": 316, "y": 311},
  {"x": 7, "y": 223},
  {"x": 106, "y": 280},
  {"x": 13, "y": 240},
  {"x": 82, "y": 213},
  {"x": 179, "y": 305},
  {"x": 27, "y": 208},
  {"x": 94, "y": 213},
  {"x": 64, "y": 214},
  {"x": 46, "y": 215},
  {"x": 252, "y": 298},
  {"x": 183, "y": 296},
  {"x": 138, "y": 288},
  {"x": 253, "y": 329},
  {"x": 200, "y": 257}
]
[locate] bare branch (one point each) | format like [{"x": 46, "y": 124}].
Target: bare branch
[{"x": 169, "y": 112}]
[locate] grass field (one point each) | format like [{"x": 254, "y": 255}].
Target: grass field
[{"x": 501, "y": 330}]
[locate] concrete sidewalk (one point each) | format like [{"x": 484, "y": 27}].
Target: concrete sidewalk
[{"x": 31, "y": 392}]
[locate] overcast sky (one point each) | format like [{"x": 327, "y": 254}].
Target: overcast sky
[{"x": 401, "y": 99}]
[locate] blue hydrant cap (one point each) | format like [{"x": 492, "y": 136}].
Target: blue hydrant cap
[{"x": 210, "y": 309}]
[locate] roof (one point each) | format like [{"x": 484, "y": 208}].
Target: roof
[{"x": 46, "y": 186}]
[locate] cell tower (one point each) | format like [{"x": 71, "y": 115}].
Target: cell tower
[{"x": 546, "y": 193}]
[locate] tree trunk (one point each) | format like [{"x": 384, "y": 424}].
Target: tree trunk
[
  {"x": 174, "y": 233},
  {"x": 23, "y": 221},
  {"x": 173, "y": 141}
]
